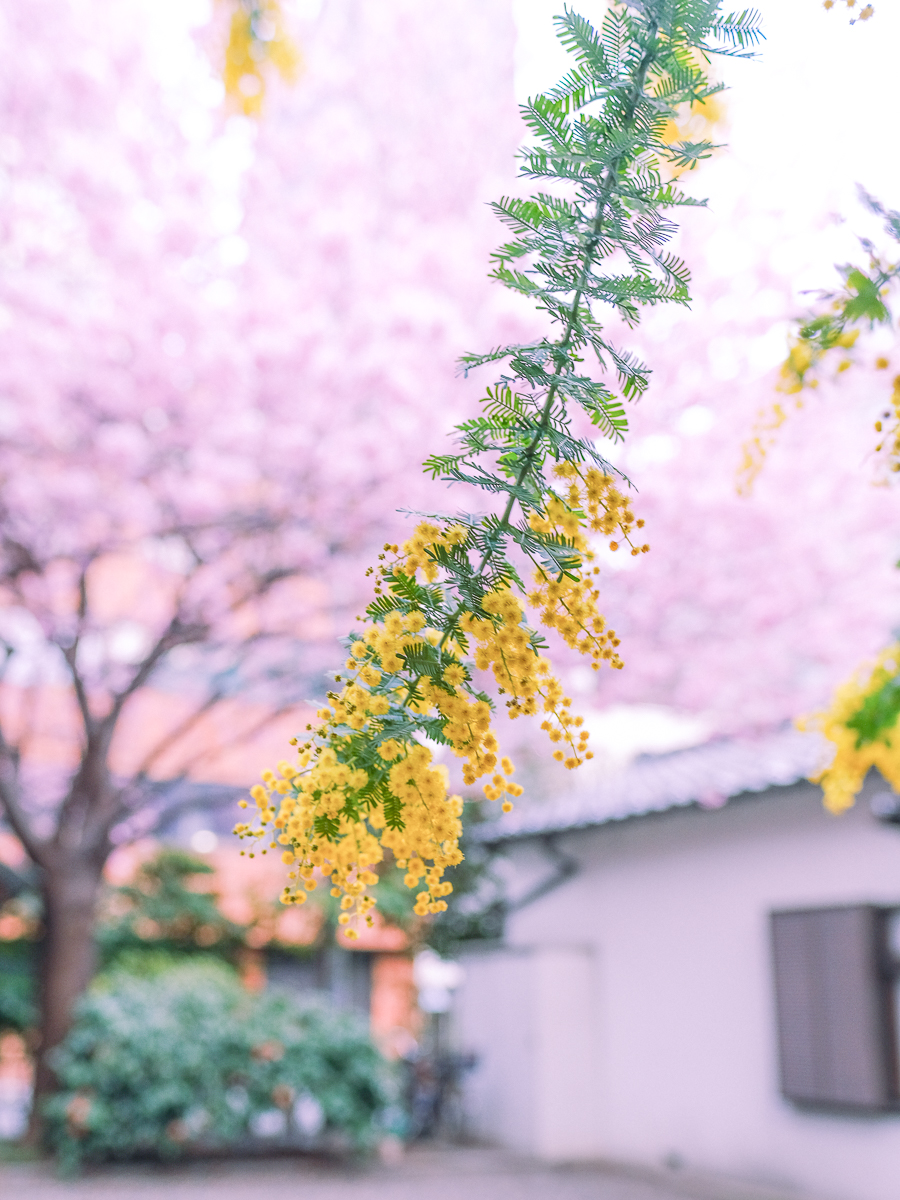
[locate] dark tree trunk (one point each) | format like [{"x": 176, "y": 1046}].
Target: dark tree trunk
[{"x": 67, "y": 961}]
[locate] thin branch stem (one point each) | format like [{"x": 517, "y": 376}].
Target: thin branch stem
[{"x": 563, "y": 345}]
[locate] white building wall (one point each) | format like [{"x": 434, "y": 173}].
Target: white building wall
[
  {"x": 631, "y": 1014},
  {"x": 529, "y": 1015}
]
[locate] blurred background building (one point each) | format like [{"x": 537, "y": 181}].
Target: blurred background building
[{"x": 699, "y": 971}]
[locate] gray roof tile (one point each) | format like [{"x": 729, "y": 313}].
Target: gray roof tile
[{"x": 707, "y": 775}]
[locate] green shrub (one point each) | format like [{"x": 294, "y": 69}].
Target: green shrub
[
  {"x": 186, "y": 1059},
  {"x": 162, "y": 909},
  {"x": 18, "y": 1007}
]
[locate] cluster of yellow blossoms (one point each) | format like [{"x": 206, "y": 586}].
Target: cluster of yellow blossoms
[
  {"x": 798, "y": 373},
  {"x": 293, "y": 802},
  {"x": 805, "y": 355},
  {"x": 700, "y": 121},
  {"x": 365, "y": 781},
  {"x": 863, "y": 722},
  {"x": 256, "y": 36},
  {"x": 568, "y": 603},
  {"x": 864, "y": 725},
  {"x": 865, "y": 12},
  {"x": 891, "y": 419},
  {"x": 428, "y": 537}
]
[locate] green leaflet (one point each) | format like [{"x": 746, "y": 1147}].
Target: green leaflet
[
  {"x": 860, "y": 301},
  {"x": 866, "y": 303},
  {"x": 877, "y": 715}
]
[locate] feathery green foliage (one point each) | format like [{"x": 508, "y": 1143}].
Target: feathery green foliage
[
  {"x": 862, "y": 719},
  {"x": 598, "y": 251},
  {"x": 839, "y": 316},
  {"x": 600, "y": 130},
  {"x": 162, "y": 911}
]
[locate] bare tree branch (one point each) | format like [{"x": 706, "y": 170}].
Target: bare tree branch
[
  {"x": 174, "y": 735},
  {"x": 69, "y": 653},
  {"x": 177, "y": 634},
  {"x": 239, "y": 739},
  {"x": 15, "y": 814}
]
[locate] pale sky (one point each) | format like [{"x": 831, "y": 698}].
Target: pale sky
[{"x": 814, "y": 114}]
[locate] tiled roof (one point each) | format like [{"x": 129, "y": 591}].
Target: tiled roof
[{"x": 707, "y": 775}]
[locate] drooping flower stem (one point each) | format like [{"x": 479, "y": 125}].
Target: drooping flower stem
[{"x": 452, "y": 602}]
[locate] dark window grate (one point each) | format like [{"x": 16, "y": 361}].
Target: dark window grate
[{"x": 833, "y": 993}]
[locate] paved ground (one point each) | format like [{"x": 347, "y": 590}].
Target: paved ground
[{"x": 425, "y": 1173}]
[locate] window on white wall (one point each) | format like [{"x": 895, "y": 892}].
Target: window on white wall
[{"x": 835, "y": 975}]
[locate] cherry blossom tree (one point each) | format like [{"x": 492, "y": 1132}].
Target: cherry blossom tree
[{"x": 213, "y": 393}]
